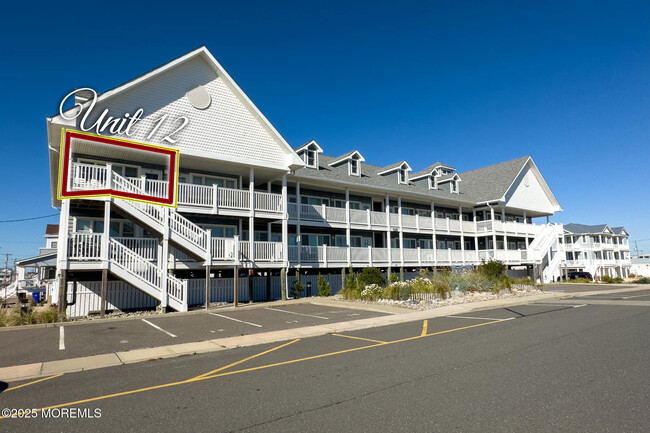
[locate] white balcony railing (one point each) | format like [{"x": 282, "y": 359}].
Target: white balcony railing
[{"x": 88, "y": 177}]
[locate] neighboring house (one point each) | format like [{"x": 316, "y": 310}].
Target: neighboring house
[
  {"x": 44, "y": 263},
  {"x": 598, "y": 249},
  {"x": 640, "y": 265},
  {"x": 248, "y": 203}
]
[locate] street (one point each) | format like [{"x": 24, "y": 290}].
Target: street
[{"x": 557, "y": 366}]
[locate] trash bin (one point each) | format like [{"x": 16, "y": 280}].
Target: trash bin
[
  {"x": 309, "y": 289},
  {"x": 36, "y": 297}
]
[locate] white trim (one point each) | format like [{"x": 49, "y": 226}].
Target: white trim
[
  {"x": 345, "y": 158},
  {"x": 397, "y": 167}
]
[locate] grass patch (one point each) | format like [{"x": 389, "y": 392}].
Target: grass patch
[{"x": 17, "y": 317}]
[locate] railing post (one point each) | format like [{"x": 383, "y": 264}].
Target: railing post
[
  {"x": 106, "y": 234},
  {"x": 143, "y": 182},
  {"x": 109, "y": 176},
  {"x": 369, "y": 219},
  {"x": 417, "y": 223},
  {"x": 215, "y": 199},
  {"x": 369, "y": 255},
  {"x": 184, "y": 302},
  {"x": 236, "y": 251},
  {"x": 324, "y": 208},
  {"x": 419, "y": 257},
  {"x": 324, "y": 255}
]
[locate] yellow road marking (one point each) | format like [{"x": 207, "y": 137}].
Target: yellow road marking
[
  {"x": 263, "y": 367},
  {"x": 246, "y": 359},
  {"x": 425, "y": 324},
  {"x": 359, "y": 338},
  {"x": 32, "y": 383}
]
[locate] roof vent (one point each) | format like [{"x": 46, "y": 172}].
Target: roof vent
[{"x": 199, "y": 98}]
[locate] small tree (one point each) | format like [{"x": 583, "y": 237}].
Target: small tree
[
  {"x": 297, "y": 286},
  {"x": 371, "y": 276},
  {"x": 491, "y": 269},
  {"x": 351, "y": 283},
  {"x": 323, "y": 286},
  {"x": 283, "y": 284},
  {"x": 393, "y": 277}
]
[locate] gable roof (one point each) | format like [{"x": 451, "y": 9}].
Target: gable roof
[
  {"x": 429, "y": 170},
  {"x": 619, "y": 231},
  {"x": 448, "y": 177},
  {"x": 394, "y": 167},
  {"x": 292, "y": 159},
  {"x": 586, "y": 229},
  {"x": 310, "y": 144},
  {"x": 345, "y": 156},
  {"x": 52, "y": 229}
]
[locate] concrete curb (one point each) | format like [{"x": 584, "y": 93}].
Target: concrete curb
[{"x": 48, "y": 368}]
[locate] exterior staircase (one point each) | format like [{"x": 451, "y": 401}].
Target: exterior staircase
[
  {"x": 545, "y": 243},
  {"x": 182, "y": 232}
]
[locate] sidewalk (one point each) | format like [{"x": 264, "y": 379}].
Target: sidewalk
[{"x": 398, "y": 316}]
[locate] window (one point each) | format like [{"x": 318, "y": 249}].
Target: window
[
  {"x": 126, "y": 171},
  {"x": 83, "y": 225},
  {"x": 426, "y": 244},
  {"x": 305, "y": 199},
  {"x": 221, "y": 182},
  {"x": 409, "y": 243},
  {"x": 310, "y": 158},
  {"x": 54, "y": 244},
  {"x": 354, "y": 167},
  {"x": 402, "y": 175},
  {"x": 222, "y": 231},
  {"x": 315, "y": 240}
]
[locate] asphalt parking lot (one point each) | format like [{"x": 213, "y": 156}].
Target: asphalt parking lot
[
  {"x": 536, "y": 367},
  {"x": 77, "y": 339}
]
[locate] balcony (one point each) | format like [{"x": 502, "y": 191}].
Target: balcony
[
  {"x": 372, "y": 220},
  {"x": 324, "y": 255},
  {"x": 196, "y": 198}
]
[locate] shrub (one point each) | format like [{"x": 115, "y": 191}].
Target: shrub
[
  {"x": 405, "y": 291},
  {"x": 609, "y": 280},
  {"x": 297, "y": 286},
  {"x": 393, "y": 277},
  {"x": 643, "y": 280},
  {"x": 371, "y": 276},
  {"x": 371, "y": 292},
  {"x": 492, "y": 269},
  {"x": 392, "y": 290},
  {"x": 323, "y": 286},
  {"x": 579, "y": 280}
]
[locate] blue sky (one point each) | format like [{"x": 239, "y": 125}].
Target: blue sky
[{"x": 468, "y": 83}]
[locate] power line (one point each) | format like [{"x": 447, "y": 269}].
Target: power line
[{"x": 29, "y": 219}]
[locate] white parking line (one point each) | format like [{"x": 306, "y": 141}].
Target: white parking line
[
  {"x": 236, "y": 320},
  {"x": 159, "y": 328},
  {"x": 581, "y": 305},
  {"x": 61, "y": 339},
  {"x": 299, "y": 314},
  {"x": 480, "y": 318}
]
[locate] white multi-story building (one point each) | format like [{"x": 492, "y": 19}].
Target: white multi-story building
[
  {"x": 597, "y": 249},
  {"x": 247, "y": 201}
]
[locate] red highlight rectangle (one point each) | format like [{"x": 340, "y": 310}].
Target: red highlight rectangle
[{"x": 64, "y": 172}]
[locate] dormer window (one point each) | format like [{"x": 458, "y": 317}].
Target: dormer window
[
  {"x": 354, "y": 167},
  {"x": 309, "y": 153},
  {"x": 352, "y": 160},
  {"x": 310, "y": 158},
  {"x": 402, "y": 176}
]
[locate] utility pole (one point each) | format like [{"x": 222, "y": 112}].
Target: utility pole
[
  {"x": 4, "y": 280},
  {"x": 636, "y": 248}
]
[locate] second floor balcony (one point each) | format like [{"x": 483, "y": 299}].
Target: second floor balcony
[
  {"x": 373, "y": 220},
  {"x": 211, "y": 199}
]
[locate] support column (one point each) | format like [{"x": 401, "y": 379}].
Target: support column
[
  {"x": 401, "y": 231},
  {"x": 285, "y": 224},
  {"x": 390, "y": 253},
  {"x": 494, "y": 235},
  {"x": 102, "y": 306},
  {"x": 268, "y": 225},
  {"x": 208, "y": 264},
  {"x": 462, "y": 236},
  {"x": 164, "y": 263},
  {"x": 348, "y": 233},
  {"x": 63, "y": 292},
  {"x": 236, "y": 286},
  {"x": 433, "y": 236},
  {"x": 105, "y": 261},
  {"x": 251, "y": 219},
  {"x": 298, "y": 234}
]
